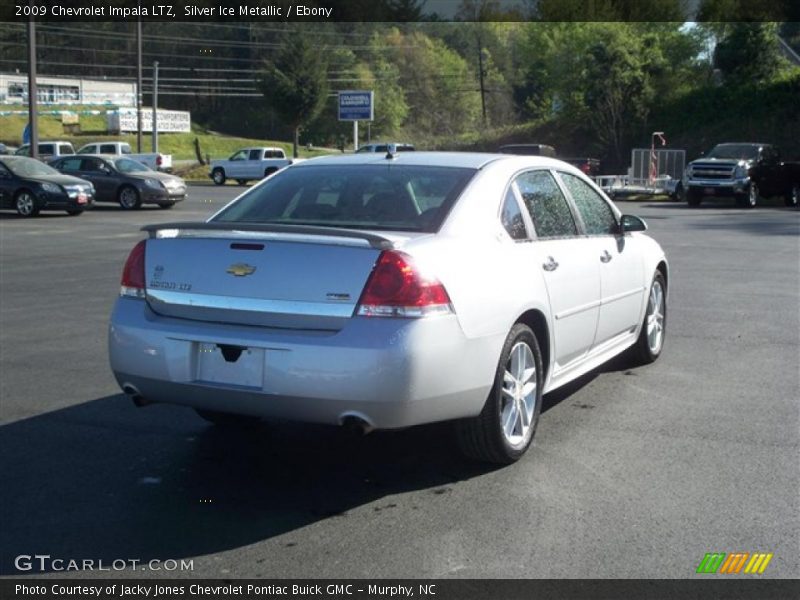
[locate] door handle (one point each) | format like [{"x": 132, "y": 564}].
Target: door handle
[
  {"x": 550, "y": 265},
  {"x": 605, "y": 257}
]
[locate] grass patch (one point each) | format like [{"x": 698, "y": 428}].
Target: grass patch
[{"x": 93, "y": 129}]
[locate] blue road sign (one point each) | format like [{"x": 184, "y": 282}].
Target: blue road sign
[{"x": 356, "y": 105}]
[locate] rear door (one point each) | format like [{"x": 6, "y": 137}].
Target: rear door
[
  {"x": 571, "y": 276},
  {"x": 255, "y": 168},
  {"x": 619, "y": 258}
]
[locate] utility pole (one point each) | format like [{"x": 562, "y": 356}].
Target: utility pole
[
  {"x": 139, "y": 85},
  {"x": 33, "y": 92},
  {"x": 480, "y": 74},
  {"x": 155, "y": 106}
]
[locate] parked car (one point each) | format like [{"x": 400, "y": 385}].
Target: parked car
[
  {"x": 384, "y": 147},
  {"x": 588, "y": 166},
  {"x": 744, "y": 171},
  {"x": 7, "y": 149},
  {"x": 30, "y": 186},
  {"x": 124, "y": 180},
  {"x": 47, "y": 150},
  {"x": 528, "y": 150},
  {"x": 154, "y": 160},
  {"x": 247, "y": 164},
  {"x": 387, "y": 293}
]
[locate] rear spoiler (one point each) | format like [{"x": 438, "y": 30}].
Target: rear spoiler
[{"x": 299, "y": 233}]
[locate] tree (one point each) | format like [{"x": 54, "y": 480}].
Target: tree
[
  {"x": 295, "y": 83},
  {"x": 749, "y": 52}
]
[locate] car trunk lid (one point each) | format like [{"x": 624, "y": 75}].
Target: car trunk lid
[{"x": 261, "y": 275}]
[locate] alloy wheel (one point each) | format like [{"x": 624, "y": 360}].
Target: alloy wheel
[
  {"x": 655, "y": 318},
  {"x": 519, "y": 395}
]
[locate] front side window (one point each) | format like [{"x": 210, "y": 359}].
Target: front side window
[
  {"x": 402, "y": 198},
  {"x": 126, "y": 165},
  {"x": 511, "y": 217},
  {"x": 598, "y": 218},
  {"x": 65, "y": 149},
  {"x": 69, "y": 164},
  {"x": 87, "y": 150},
  {"x": 546, "y": 205},
  {"x": 240, "y": 155},
  {"x": 92, "y": 165}
]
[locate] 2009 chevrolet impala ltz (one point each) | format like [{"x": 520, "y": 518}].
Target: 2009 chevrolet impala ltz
[{"x": 391, "y": 290}]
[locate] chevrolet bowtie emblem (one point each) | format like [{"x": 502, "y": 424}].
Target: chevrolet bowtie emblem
[{"x": 241, "y": 270}]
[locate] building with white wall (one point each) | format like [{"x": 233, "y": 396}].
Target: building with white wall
[{"x": 62, "y": 90}]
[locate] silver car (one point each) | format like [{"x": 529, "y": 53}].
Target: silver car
[{"x": 392, "y": 290}]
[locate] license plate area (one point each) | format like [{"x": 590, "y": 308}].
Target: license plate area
[
  {"x": 222, "y": 364},
  {"x": 710, "y": 191}
]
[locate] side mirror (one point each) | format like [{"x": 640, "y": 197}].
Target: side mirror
[{"x": 629, "y": 223}]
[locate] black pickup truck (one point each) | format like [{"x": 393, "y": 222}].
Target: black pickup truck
[{"x": 746, "y": 171}]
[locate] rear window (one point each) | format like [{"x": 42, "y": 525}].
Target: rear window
[{"x": 382, "y": 197}]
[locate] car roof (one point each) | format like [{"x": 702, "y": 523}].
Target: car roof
[{"x": 467, "y": 160}]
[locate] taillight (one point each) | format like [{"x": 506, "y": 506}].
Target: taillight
[
  {"x": 132, "y": 283},
  {"x": 396, "y": 288}
]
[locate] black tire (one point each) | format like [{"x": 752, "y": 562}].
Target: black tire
[
  {"x": 269, "y": 171},
  {"x": 75, "y": 212},
  {"x": 643, "y": 352},
  {"x": 750, "y": 199},
  {"x": 678, "y": 195},
  {"x": 128, "y": 198},
  {"x": 218, "y": 176},
  {"x": 25, "y": 204},
  {"x": 241, "y": 181},
  {"x": 482, "y": 437},
  {"x": 693, "y": 197},
  {"x": 222, "y": 419},
  {"x": 792, "y": 197},
  {"x": 166, "y": 205}
]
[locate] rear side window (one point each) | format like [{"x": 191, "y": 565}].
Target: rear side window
[
  {"x": 46, "y": 149},
  {"x": 598, "y": 218},
  {"x": 108, "y": 149},
  {"x": 511, "y": 216},
  {"x": 401, "y": 198},
  {"x": 70, "y": 164},
  {"x": 546, "y": 205}
]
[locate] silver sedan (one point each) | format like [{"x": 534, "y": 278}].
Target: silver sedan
[{"x": 387, "y": 291}]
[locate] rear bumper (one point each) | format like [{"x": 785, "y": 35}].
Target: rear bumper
[{"x": 390, "y": 372}]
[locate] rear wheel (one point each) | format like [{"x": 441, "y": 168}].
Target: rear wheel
[
  {"x": 793, "y": 196},
  {"x": 223, "y": 419},
  {"x": 25, "y": 204},
  {"x": 128, "y": 198},
  {"x": 505, "y": 428},
  {"x": 218, "y": 176},
  {"x": 651, "y": 338}
]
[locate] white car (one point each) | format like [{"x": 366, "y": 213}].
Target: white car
[
  {"x": 392, "y": 290},
  {"x": 248, "y": 164},
  {"x": 154, "y": 160}
]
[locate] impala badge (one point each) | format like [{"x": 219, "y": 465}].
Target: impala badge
[{"x": 241, "y": 270}]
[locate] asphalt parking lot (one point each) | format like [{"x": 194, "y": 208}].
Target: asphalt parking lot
[{"x": 634, "y": 472}]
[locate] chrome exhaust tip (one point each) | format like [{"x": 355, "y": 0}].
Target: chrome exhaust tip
[
  {"x": 356, "y": 424},
  {"x": 135, "y": 395}
]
